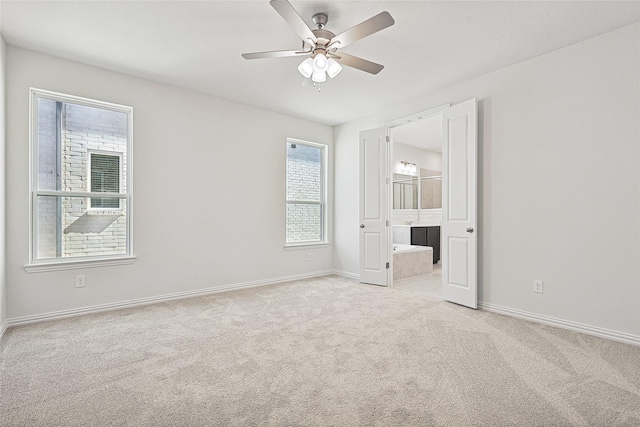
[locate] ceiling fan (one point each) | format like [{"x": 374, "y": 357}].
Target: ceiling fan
[{"x": 321, "y": 46}]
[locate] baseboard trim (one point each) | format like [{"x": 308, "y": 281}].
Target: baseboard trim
[
  {"x": 3, "y": 329},
  {"x": 347, "y": 274},
  {"x": 561, "y": 323},
  {"x": 24, "y": 320}
]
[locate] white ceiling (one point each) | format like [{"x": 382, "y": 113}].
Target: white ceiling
[{"x": 197, "y": 44}]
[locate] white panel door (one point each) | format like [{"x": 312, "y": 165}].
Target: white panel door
[
  {"x": 374, "y": 245},
  {"x": 459, "y": 198}
]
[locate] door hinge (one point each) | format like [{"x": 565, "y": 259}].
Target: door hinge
[
  {"x": 387, "y": 265},
  {"x": 387, "y": 222},
  {"x": 387, "y": 181},
  {"x": 388, "y": 139}
]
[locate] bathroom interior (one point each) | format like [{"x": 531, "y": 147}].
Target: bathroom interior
[{"x": 417, "y": 205}]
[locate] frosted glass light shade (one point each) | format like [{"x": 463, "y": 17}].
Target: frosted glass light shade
[
  {"x": 306, "y": 68},
  {"x": 334, "y": 68},
  {"x": 320, "y": 63},
  {"x": 319, "y": 76}
]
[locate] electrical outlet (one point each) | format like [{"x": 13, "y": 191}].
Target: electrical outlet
[
  {"x": 537, "y": 286},
  {"x": 80, "y": 281},
  {"x": 309, "y": 256}
]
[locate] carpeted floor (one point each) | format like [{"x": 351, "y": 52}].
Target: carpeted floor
[{"x": 321, "y": 352}]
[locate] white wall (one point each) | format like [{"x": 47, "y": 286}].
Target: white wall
[
  {"x": 559, "y": 184},
  {"x": 3, "y": 282},
  {"x": 194, "y": 227}
]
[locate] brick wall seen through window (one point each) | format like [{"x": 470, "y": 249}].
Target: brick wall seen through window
[{"x": 305, "y": 192}]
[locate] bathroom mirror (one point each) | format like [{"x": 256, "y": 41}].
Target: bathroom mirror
[
  {"x": 409, "y": 194},
  {"x": 405, "y": 191}
]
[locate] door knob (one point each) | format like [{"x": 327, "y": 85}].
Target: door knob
[
  {"x": 361, "y": 225},
  {"x": 470, "y": 230}
]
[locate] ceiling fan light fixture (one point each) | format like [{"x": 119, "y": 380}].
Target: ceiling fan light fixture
[
  {"x": 320, "y": 63},
  {"x": 306, "y": 68},
  {"x": 333, "y": 68},
  {"x": 321, "y": 45},
  {"x": 319, "y": 76}
]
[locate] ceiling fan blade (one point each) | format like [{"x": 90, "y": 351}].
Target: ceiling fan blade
[
  {"x": 359, "y": 63},
  {"x": 363, "y": 29},
  {"x": 274, "y": 54},
  {"x": 284, "y": 8}
]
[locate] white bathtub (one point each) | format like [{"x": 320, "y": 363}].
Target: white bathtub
[{"x": 400, "y": 248}]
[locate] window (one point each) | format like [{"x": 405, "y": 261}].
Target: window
[
  {"x": 104, "y": 178},
  {"x": 81, "y": 180},
  {"x": 306, "y": 193}
]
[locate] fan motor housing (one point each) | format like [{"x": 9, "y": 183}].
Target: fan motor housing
[{"x": 323, "y": 36}]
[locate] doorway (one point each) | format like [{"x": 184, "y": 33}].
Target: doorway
[
  {"x": 416, "y": 202},
  {"x": 459, "y": 243}
]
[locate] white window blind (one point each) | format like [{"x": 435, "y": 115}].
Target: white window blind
[{"x": 105, "y": 178}]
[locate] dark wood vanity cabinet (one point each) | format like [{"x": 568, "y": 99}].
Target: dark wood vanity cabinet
[{"x": 427, "y": 236}]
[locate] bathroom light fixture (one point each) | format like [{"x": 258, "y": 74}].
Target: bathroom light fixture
[{"x": 408, "y": 167}]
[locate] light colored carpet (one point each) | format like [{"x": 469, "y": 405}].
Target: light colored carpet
[{"x": 322, "y": 352}]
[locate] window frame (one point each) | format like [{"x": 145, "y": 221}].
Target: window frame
[
  {"x": 54, "y": 264},
  {"x": 324, "y": 165}
]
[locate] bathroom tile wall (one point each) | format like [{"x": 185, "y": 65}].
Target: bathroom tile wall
[
  {"x": 409, "y": 264},
  {"x": 431, "y": 193},
  {"x": 402, "y": 234}
]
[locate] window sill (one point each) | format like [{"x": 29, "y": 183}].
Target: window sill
[
  {"x": 41, "y": 267},
  {"x": 104, "y": 212},
  {"x": 295, "y": 246}
]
